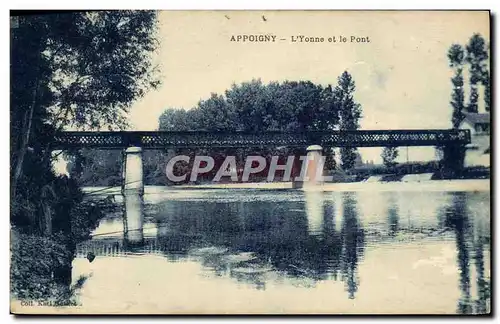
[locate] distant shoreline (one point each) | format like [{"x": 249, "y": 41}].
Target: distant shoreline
[{"x": 427, "y": 185}]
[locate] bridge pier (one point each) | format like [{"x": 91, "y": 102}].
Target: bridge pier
[
  {"x": 314, "y": 167},
  {"x": 133, "y": 192},
  {"x": 311, "y": 171}
]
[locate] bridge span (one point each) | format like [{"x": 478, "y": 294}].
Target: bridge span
[{"x": 198, "y": 139}]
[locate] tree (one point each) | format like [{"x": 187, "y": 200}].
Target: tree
[
  {"x": 359, "y": 160},
  {"x": 93, "y": 167},
  {"x": 389, "y": 156},
  {"x": 252, "y": 105},
  {"x": 330, "y": 163},
  {"x": 487, "y": 91},
  {"x": 350, "y": 113},
  {"x": 456, "y": 58},
  {"x": 286, "y": 106},
  {"x": 79, "y": 69},
  {"x": 487, "y": 83},
  {"x": 173, "y": 119},
  {"x": 476, "y": 57},
  {"x": 214, "y": 114}
]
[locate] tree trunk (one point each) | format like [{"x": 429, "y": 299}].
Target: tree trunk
[
  {"x": 47, "y": 199},
  {"x": 27, "y": 123}
]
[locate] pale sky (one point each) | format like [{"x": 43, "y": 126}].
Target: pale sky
[{"x": 402, "y": 75}]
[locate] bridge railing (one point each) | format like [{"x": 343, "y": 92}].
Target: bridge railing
[{"x": 197, "y": 139}]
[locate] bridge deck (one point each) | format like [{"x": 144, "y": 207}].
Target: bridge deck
[{"x": 167, "y": 140}]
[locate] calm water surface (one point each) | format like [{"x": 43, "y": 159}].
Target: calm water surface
[{"x": 288, "y": 251}]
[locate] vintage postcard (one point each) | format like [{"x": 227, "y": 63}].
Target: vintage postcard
[{"x": 250, "y": 162}]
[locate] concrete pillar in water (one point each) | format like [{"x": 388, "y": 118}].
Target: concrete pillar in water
[
  {"x": 314, "y": 171},
  {"x": 133, "y": 191}
]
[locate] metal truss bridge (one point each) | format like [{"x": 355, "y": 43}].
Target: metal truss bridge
[{"x": 199, "y": 139}]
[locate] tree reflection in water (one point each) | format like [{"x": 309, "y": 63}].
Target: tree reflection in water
[
  {"x": 352, "y": 244},
  {"x": 255, "y": 241},
  {"x": 392, "y": 215},
  {"x": 311, "y": 238},
  {"x": 469, "y": 245},
  {"x": 457, "y": 220},
  {"x": 481, "y": 241}
]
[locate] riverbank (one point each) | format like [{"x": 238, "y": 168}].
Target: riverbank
[{"x": 425, "y": 185}]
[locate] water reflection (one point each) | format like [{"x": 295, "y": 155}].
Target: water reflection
[
  {"x": 457, "y": 220},
  {"x": 352, "y": 244},
  {"x": 482, "y": 245},
  {"x": 392, "y": 216},
  {"x": 307, "y": 238},
  {"x": 471, "y": 238}
]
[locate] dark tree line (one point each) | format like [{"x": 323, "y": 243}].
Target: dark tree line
[
  {"x": 251, "y": 107},
  {"x": 288, "y": 106},
  {"x": 475, "y": 57}
]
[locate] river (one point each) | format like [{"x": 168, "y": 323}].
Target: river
[{"x": 391, "y": 249}]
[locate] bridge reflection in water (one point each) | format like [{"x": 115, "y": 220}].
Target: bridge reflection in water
[{"x": 315, "y": 236}]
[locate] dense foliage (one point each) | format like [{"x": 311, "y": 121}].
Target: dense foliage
[
  {"x": 476, "y": 55},
  {"x": 456, "y": 57},
  {"x": 34, "y": 259},
  {"x": 389, "y": 156},
  {"x": 253, "y": 106},
  {"x": 80, "y": 70},
  {"x": 350, "y": 113}
]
